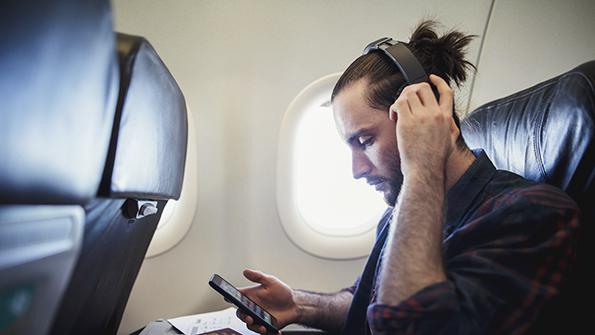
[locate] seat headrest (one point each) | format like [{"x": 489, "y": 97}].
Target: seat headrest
[
  {"x": 544, "y": 133},
  {"x": 58, "y": 91},
  {"x": 148, "y": 148}
]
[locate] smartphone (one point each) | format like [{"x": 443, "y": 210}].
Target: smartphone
[{"x": 249, "y": 307}]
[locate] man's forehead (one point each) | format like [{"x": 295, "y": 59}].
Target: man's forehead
[
  {"x": 353, "y": 121},
  {"x": 348, "y": 108}
]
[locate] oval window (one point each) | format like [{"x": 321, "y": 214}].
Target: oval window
[
  {"x": 322, "y": 208},
  {"x": 178, "y": 214}
]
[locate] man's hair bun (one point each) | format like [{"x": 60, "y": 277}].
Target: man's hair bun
[{"x": 441, "y": 55}]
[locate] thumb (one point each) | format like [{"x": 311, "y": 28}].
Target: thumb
[{"x": 255, "y": 276}]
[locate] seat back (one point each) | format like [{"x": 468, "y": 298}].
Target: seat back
[
  {"x": 58, "y": 90},
  {"x": 546, "y": 133},
  {"x": 145, "y": 168}
]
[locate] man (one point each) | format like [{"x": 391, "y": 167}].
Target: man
[{"x": 463, "y": 249}]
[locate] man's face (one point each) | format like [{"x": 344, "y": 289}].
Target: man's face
[{"x": 371, "y": 137}]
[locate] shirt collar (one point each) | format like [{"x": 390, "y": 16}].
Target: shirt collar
[{"x": 465, "y": 190}]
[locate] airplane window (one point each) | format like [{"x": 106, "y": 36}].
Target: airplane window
[
  {"x": 168, "y": 213},
  {"x": 328, "y": 197},
  {"x": 178, "y": 214},
  {"x": 322, "y": 208}
]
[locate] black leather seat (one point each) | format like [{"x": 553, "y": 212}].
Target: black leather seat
[
  {"x": 145, "y": 168},
  {"x": 546, "y": 133},
  {"x": 89, "y": 159},
  {"x": 58, "y": 91}
]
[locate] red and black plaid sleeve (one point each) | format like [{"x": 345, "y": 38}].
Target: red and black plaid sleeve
[{"x": 504, "y": 262}]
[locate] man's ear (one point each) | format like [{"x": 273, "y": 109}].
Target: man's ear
[{"x": 392, "y": 115}]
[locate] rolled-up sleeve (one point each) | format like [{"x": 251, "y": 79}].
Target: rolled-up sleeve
[
  {"x": 435, "y": 305},
  {"x": 502, "y": 267}
]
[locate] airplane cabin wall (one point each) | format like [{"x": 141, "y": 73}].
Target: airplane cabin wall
[
  {"x": 529, "y": 41},
  {"x": 239, "y": 65}
]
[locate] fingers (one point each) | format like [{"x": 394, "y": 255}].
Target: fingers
[
  {"x": 427, "y": 96},
  {"x": 419, "y": 94},
  {"x": 412, "y": 98},
  {"x": 247, "y": 320},
  {"x": 255, "y": 276},
  {"x": 250, "y": 323},
  {"x": 446, "y": 94},
  {"x": 243, "y": 316},
  {"x": 257, "y": 328}
]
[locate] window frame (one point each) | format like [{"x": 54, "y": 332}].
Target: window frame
[
  {"x": 178, "y": 215},
  {"x": 300, "y": 232}
]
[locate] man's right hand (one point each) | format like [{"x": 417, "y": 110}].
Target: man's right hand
[{"x": 271, "y": 294}]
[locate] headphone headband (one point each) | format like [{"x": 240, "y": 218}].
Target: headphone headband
[{"x": 402, "y": 57}]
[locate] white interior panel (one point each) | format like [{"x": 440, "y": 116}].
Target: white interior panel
[
  {"x": 239, "y": 65},
  {"x": 532, "y": 40}
]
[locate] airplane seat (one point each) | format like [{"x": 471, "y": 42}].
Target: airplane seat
[
  {"x": 58, "y": 92},
  {"x": 546, "y": 134},
  {"x": 144, "y": 169}
]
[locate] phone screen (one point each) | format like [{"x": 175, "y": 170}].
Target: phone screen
[{"x": 232, "y": 293}]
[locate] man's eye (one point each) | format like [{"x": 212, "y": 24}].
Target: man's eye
[{"x": 365, "y": 141}]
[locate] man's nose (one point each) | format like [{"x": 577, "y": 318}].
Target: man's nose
[{"x": 360, "y": 165}]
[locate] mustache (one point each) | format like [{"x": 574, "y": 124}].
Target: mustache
[{"x": 372, "y": 180}]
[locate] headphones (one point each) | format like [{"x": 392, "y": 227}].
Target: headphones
[
  {"x": 396, "y": 51},
  {"x": 409, "y": 66}
]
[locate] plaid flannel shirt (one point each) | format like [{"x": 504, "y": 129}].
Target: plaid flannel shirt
[{"x": 508, "y": 244}]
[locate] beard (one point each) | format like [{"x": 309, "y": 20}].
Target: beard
[
  {"x": 393, "y": 189},
  {"x": 395, "y": 180}
]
